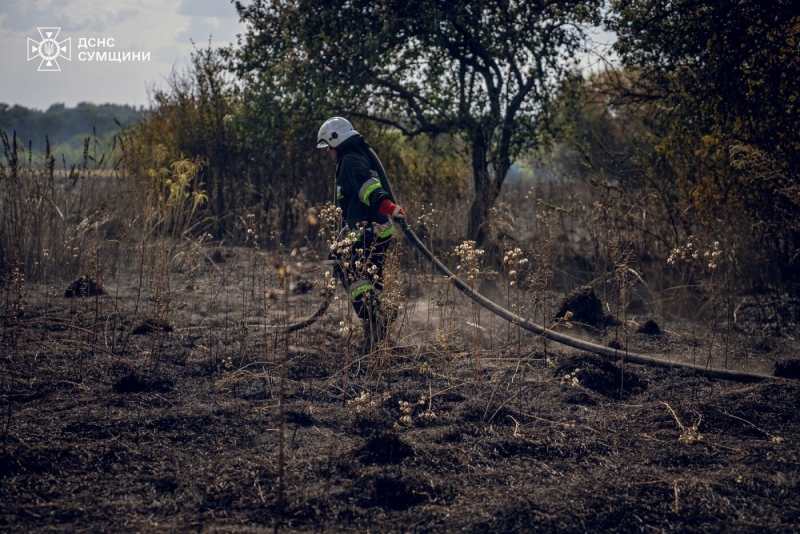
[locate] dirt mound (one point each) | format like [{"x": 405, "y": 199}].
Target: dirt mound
[
  {"x": 7, "y": 467},
  {"x": 150, "y": 325},
  {"x": 384, "y": 449},
  {"x": 600, "y": 376},
  {"x": 788, "y": 369},
  {"x": 217, "y": 257},
  {"x": 394, "y": 492},
  {"x": 299, "y": 418},
  {"x": 586, "y": 308},
  {"x": 84, "y": 287},
  {"x": 301, "y": 287},
  {"x": 649, "y": 328},
  {"x": 134, "y": 383}
]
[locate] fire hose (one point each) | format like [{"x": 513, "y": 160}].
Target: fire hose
[
  {"x": 608, "y": 352},
  {"x": 311, "y": 319}
]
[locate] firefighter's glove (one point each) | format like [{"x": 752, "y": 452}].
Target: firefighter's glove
[{"x": 390, "y": 209}]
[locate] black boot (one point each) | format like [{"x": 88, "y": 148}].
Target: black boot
[{"x": 376, "y": 323}]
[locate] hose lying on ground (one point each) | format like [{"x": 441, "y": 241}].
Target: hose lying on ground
[
  {"x": 567, "y": 340},
  {"x": 308, "y": 321}
]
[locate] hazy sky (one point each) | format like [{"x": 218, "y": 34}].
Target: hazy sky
[{"x": 165, "y": 28}]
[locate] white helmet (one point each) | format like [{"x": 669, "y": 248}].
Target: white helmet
[{"x": 334, "y": 132}]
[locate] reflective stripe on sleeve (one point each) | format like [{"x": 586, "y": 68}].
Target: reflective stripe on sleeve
[
  {"x": 369, "y": 186},
  {"x": 387, "y": 232},
  {"x": 358, "y": 288}
]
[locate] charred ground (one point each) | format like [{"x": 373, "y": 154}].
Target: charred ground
[{"x": 180, "y": 429}]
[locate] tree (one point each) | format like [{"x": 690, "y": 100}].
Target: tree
[
  {"x": 726, "y": 74},
  {"x": 484, "y": 70}
]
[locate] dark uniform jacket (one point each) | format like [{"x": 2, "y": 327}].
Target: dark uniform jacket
[{"x": 361, "y": 186}]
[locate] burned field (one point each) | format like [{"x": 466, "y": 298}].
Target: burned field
[
  {"x": 622, "y": 183},
  {"x": 209, "y": 422}
]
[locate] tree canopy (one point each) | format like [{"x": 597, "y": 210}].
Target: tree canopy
[
  {"x": 726, "y": 71},
  {"x": 61, "y": 123}
]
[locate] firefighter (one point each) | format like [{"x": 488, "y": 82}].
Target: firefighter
[{"x": 368, "y": 211}]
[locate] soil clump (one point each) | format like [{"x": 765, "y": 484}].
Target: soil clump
[
  {"x": 586, "y": 309},
  {"x": 84, "y": 287}
]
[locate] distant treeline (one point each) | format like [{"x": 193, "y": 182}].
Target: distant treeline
[{"x": 67, "y": 128}]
